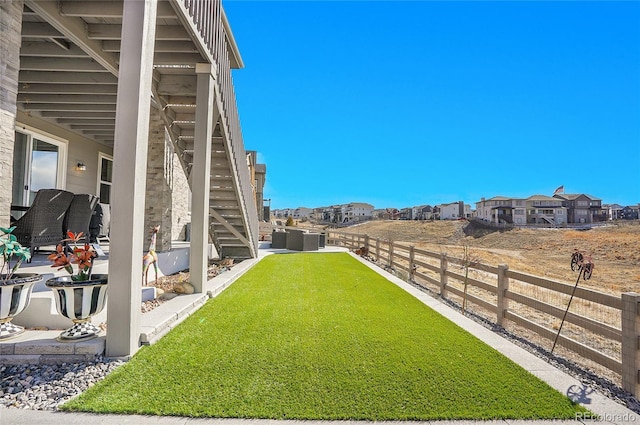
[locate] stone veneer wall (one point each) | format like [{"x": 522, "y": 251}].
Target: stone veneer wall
[
  {"x": 158, "y": 203},
  {"x": 181, "y": 201},
  {"x": 10, "y": 28}
]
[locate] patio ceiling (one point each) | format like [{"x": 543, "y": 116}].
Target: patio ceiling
[{"x": 69, "y": 63}]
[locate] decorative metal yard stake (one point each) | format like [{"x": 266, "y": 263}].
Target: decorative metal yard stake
[{"x": 584, "y": 266}]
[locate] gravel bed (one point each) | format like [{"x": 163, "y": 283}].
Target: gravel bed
[{"x": 45, "y": 387}]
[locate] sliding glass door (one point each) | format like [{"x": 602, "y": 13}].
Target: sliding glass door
[{"x": 38, "y": 163}]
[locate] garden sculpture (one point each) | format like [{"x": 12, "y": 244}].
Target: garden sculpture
[
  {"x": 584, "y": 266},
  {"x": 150, "y": 257}
]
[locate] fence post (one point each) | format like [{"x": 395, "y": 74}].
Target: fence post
[
  {"x": 377, "y": 249},
  {"x": 443, "y": 274},
  {"x": 366, "y": 243},
  {"x": 411, "y": 265},
  {"x": 391, "y": 254},
  {"x": 630, "y": 335},
  {"x": 503, "y": 286}
]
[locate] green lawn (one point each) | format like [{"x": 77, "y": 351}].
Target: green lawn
[{"x": 321, "y": 336}]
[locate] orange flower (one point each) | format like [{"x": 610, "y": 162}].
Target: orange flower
[
  {"x": 60, "y": 260},
  {"x": 83, "y": 256},
  {"x": 73, "y": 237}
]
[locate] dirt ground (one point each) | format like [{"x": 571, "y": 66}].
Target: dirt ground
[{"x": 614, "y": 249}]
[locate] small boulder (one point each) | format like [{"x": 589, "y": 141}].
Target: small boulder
[
  {"x": 168, "y": 296},
  {"x": 184, "y": 288}
]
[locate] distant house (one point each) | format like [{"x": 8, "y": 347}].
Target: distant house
[
  {"x": 302, "y": 213},
  {"x": 542, "y": 209},
  {"x": 582, "y": 208},
  {"x": 406, "y": 214},
  {"x": 425, "y": 212},
  {"x": 341, "y": 214},
  {"x": 614, "y": 211},
  {"x": 393, "y": 213},
  {"x": 630, "y": 212},
  {"x": 450, "y": 211},
  {"x": 502, "y": 210},
  {"x": 435, "y": 212},
  {"x": 282, "y": 213},
  {"x": 357, "y": 211}
]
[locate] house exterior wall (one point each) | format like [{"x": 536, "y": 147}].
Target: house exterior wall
[
  {"x": 358, "y": 211},
  {"x": 546, "y": 211},
  {"x": 78, "y": 149},
  {"x": 450, "y": 211},
  {"x": 181, "y": 201},
  {"x": 500, "y": 209},
  {"x": 582, "y": 208},
  {"x": 300, "y": 213},
  {"x": 11, "y": 24},
  {"x": 158, "y": 199}
]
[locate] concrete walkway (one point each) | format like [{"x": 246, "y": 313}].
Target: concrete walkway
[
  {"x": 34, "y": 417},
  {"x": 607, "y": 411}
]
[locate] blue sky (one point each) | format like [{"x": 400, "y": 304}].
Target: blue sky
[{"x": 424, "y": 102}]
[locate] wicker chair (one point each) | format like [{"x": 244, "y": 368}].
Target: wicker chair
[
  {"x": 79, "y": 214},
  {"x": 100, "y": 223},
  {"x": 42, "y": 223}
]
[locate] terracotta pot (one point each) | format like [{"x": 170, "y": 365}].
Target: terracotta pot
[
  {"x": 15, "y": 295},
  {"x": 79, "y": 301}
]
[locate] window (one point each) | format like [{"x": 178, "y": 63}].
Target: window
[
  {"x": 583, "y": 203},
  {"x": 105, "y": 178},
  {"x": 39, "y": 162}
]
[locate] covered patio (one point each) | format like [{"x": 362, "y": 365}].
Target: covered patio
[{"x": 134, "y": 102}]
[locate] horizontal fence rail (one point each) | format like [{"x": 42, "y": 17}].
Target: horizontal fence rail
[{"x": 600, "y": 328}]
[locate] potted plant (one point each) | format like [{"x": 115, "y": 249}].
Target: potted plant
[
  {"x": 80, "y": 295},
  {"x": 15, "y": 288}
]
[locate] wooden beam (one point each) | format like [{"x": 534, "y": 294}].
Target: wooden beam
[
  {"x": 108, "y": 9},
  {"x": 39, "y": 30},
  {"x": 68, "y": 89},
  {"x": 60, "y": 64},
  {"x": 67, "y": 98},
  {"x": 49, "y": 49},
  {"x": 66, "y": 107},
  {"x": 173, "y": 85},
  {"x": 50, "y": 77},
  {"x": 113, "y": 32},
  {"x": 164, "y": 46},
  {"x": 73, "y": 115},
  {"x": 95, "y": 122},
  {"x": 176, "y": 58},
  {"x": 75, "y": 30},
  {"x": 220, "y": 219}
]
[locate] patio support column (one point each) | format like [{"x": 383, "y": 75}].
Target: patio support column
[
  {"x": 11, "y": 24},
  {"x": 206, "y": 116},
  {"x": 129, "y": 181}
]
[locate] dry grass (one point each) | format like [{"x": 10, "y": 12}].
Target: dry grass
[{"x": 540, "y": 252}]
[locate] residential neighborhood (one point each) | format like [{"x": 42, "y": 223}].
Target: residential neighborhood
[{"x": 536, "y": 210}]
